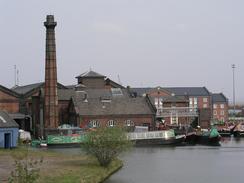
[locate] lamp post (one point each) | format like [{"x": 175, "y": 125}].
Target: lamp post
[{"x": 234, "y": 99}]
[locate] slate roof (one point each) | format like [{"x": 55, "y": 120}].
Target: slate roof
[
  {"x": 90, "y": 74},
  {"x": 140, "y": 91},
  {"x": 178, "y": 91},
  {"x": 8, "y": 91},
  {"x": 117, "y": 106},
  {"x": 6, "y": 121},
  {"x": 190, "y": 91},
  {"x": 218, "y": 98},
  {"x": 66, "y": 94},
  {"x": 25, "y": 89}
]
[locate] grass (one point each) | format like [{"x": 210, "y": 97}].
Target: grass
[
  {"x": 61, "y": 168},
  {"x": 87, "y": 173}
]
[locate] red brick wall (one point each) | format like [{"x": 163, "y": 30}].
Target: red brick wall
[
  {"x": 63, "y": 111},
  {"x": 220, "y": 114},
  {"x": 200, "y": 102},
  {"x": 9, "y": 103}
]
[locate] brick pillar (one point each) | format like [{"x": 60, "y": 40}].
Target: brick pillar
[{"x": 50, "y": 94}]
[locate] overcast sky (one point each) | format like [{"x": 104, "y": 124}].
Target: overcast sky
[{"x": 146, "y": 42}]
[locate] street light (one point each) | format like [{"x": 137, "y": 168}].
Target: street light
[{"x": 234, "y": 99}]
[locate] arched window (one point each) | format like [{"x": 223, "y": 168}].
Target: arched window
[
  {"x": 129, "y": 123},
  {"x": 94, "y": 124},
  {"x": 111, "y": 123}
]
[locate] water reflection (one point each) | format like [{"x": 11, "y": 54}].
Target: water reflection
[{"x": 183, "y": 164}]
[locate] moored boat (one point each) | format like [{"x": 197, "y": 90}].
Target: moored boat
[
  {"x": 208, "y": 137},
  {"x": 162, "y": 137},
  {"x": 225, "y": 129},
  {"x": 238, "y": 131}
]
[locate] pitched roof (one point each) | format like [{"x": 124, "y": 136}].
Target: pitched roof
[
  {"x": 140, "y": 91},
  {"x": 90, "y": 74},
  {"x": 113, "y": 83},
  {"x": 66, "y": 94},
  {"x": 190, "y": 91},
  {"x": 218, "y": 97},
  {"x": 8, "y": 91},
  {"x": 178, "y": 91},
  {"x": 117, "y": 106},
  {"x": 27, "y": 89},
  {"x": 6, "y": 121}
]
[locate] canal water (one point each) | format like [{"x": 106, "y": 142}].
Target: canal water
[
  {"x": 181, "y": 164},
  {"x": 184, "y": 164}
]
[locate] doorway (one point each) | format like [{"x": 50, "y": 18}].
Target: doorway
[{"x": 7, "y": 140}]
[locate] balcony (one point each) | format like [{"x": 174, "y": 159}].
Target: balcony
[{"x": 177, "y": 112}]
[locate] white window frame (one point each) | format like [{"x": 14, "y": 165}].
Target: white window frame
[
  {"x": 215, "y": 106},
  {"x": 128, "y": 122},
  {"x": 205, "y": 105},
  {"x": 205, "y": 99},
  {"x": 222, "y": 106},
  {"x": 94, "y": 123},
  {"x": 222, "y": 112},
  {"x": 111, "y": 123},
  {"x": 215, "y": 112},
  {"x": 174, "y": 120},
  {"x": 195, "y": 100}
]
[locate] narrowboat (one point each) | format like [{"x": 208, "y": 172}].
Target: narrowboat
[{"x": 162, "y": 137}]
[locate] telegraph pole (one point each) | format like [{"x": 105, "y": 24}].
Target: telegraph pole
[{"x": 234, "y": 97}]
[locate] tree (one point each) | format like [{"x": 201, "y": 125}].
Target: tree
[{"x": 106, "y": 144}]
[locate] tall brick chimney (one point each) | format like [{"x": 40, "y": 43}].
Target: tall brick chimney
[{"x": 50, "y": 94}]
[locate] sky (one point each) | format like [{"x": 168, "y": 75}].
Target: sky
[{"x": 138, "y": 43}]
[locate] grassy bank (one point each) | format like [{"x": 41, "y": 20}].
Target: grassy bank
[{"x": 62, "y": 168}]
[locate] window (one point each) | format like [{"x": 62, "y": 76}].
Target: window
[
  {"x": 158, "y": 103},
  {"x": 205, "y": 105},
  {"x": 223, "y": 119},
  {"x": 111, "y": 123},
  {"x": 215, "y": 106},
  {"x": 205, "y": 99},
  {"x": 222, "y": 106},
  {"x": 116, "y": 92},
  {"x": 195, "y": 100},
  {"x": 174, "y": 120},
  {"x": 222, "y": 112},
  {"x": 215, "y": 112},
  {"x": 94, "y": 124},
  {"x": 190, "y": 101},
  {"x": 129, "y": 123}
]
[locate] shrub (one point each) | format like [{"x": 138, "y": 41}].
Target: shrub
[
  {"x": 106, "y": 144},
  {"x": 25, "y": 169}
]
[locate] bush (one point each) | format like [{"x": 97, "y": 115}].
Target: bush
[
  {"x": 106, "y": 144},
  {"x": 25, "y": 169}
]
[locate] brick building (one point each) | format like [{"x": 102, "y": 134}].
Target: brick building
[
  {"x": 220, "y": 107},
  {"x": 110, "y": 107},
  {"x": 9, "y": 100},
  {"x": 180, "y": 105}
]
